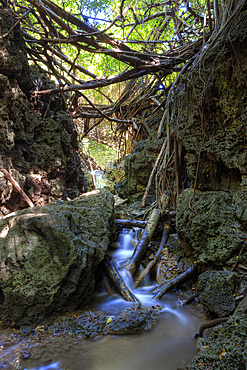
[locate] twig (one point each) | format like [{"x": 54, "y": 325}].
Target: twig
[{"x": 237, "y": 260}]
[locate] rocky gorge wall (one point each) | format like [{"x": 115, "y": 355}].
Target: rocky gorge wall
[
  {"x": 38, "y": 144},
  {"x": 209, "y": 119}
]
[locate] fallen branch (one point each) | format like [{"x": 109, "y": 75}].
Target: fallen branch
[
  {"x": 144, "y": 241},
  {"x": 131, "y": 223},
  {"x": 153, "y": 173},
  {"x": 150, "y": 266},
  {"x": 241, "y": 308},
  {"x": 118, "y": 282},
  {"x": 17, "y": 187},
  {"x": 172, "y": 283}
]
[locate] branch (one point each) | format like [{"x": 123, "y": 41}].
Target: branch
[
  {"x": 16, "y": 24},
  {"x": 17, "y": 187},
  {"x": 103, "y": 114}
]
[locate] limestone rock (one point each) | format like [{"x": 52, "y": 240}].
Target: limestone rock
[
  {"x": 38, "y": 141},
  {"x": 212, "y": 226},
  {"x": 138, "y": 167},
  {"x": 215, "y": 290},
  {"x": 225, "y": 348},
  {"x": 49, "y": 255}
]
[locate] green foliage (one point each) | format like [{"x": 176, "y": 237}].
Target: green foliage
[{"x": 100, "y": 152}]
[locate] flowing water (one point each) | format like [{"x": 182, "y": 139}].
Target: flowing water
[
  {"x": 100, "y": 182},
  {"x": 169, "y": 345}
]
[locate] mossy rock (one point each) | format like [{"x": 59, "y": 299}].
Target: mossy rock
[
  {"x": 215, "y": 290},
  {"x": 224, "y": 349},
  {"x": 49, "y": 256},
  {"x": 212, "y": 225}
]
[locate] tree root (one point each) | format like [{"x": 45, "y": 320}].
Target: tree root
[
  {"x": 172, "y": 283},
  {"x": 211, "y": 324}
]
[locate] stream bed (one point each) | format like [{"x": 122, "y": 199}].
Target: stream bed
[{"x": 169, "y": 345}]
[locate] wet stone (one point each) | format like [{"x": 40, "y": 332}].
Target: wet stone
[{"x": 134, "y": 320}]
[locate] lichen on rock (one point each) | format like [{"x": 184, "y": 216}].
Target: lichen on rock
[
  {"x": 211, "y": 225},
  {"x": 49, "y": 256},
  {"x": 215, "y": 289}
]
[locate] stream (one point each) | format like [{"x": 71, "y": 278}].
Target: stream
[{"x": 169, "y": 345}]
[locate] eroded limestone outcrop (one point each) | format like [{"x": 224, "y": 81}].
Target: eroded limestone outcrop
[
  {"x": 215, "y": 289},
  {"x": 48, "y": 256},
  {"x": 224, "y": 349},
  {"x": 212, "y": 225},
  {"x": 38, "y": 141},
  {"x": 211, "y": 126}
]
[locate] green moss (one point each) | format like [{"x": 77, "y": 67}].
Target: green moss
[
  {"x": 208, "y": 226},
  {"x": 49, "y": 255}
]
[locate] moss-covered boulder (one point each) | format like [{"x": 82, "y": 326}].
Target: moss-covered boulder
[
  {"x": 215, "y": 290},
  {"x": 49, "y": 256},
  {"x": 226, "y": 347},
  {"x": 212, "y": 225}
]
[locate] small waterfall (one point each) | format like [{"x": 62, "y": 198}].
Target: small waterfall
[
  {"x": 128, "y": 239},
  {"x": 99, "y": 181}
]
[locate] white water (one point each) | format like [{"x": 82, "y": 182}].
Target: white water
[
  {"x": 169, "y": 345},
  {"x": 99, "y": 181}
]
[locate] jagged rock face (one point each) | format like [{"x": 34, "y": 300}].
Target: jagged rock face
[
  {"x": 211, "y": 125},
  {"x": 211, "y": 118},
  {"x": 40, "y": 153},
  {"x": 49, "y": 256}
]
